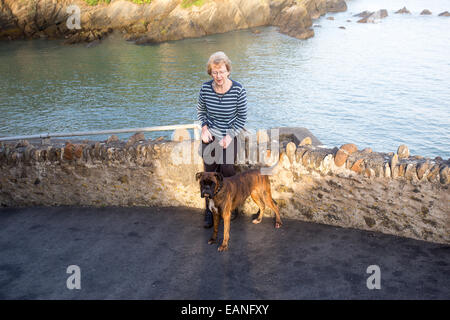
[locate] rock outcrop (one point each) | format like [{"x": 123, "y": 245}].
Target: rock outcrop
[
  {"x": 372, "y": 17},
  {"x": 403, "y": 11},
  {"x": 425, "y": 12},
  {"x": 160, "y": 20}
]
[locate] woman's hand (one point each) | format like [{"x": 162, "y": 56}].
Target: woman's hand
[
  {"x": 206, "y": 135},
  {"x": 225, "y": 142}
]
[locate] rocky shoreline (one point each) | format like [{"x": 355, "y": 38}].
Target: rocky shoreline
[{"x": 159, "y": 20}]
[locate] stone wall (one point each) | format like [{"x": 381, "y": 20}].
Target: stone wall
[{"x": 391, "y": 193}]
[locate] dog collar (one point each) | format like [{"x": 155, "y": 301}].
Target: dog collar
[{"x": 218, "y": 190}]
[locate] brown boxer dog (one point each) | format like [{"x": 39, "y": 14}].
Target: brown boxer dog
[{"x": 226, "y": 194}]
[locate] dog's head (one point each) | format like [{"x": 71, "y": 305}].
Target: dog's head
[{"x": 209, "y": 183}]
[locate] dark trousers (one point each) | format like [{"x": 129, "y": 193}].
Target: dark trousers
[
  {"x": 211, "y": 160},
  {"x": 226, "y": 166}
]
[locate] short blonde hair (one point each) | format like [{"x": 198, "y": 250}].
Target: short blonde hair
[{"x": 217, "y": 58}]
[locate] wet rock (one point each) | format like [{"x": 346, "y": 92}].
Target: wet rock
[
  {"x": 425, "y": 12},
  {"x": 341, "y": 27}
]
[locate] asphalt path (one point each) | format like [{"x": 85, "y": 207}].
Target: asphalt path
[{"x": 162, "y": 253}]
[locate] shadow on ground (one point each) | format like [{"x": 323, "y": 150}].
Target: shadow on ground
[{"x": 162, "y": 253}]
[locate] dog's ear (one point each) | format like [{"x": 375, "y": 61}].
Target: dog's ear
[
  {"x": 198, "y": 175},
  {"x": 219, "y": 176}
]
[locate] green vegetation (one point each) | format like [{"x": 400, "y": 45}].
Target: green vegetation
[
  {"x": 95, "y": 2},
  {"x": 189, "y": 3}
]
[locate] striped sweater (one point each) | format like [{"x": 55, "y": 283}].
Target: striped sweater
[{"x": 222, "y": 113}]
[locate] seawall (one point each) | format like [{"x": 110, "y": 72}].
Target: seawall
[{"x": 393, "y": 193}]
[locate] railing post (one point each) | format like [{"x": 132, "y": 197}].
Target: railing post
[{"x": 197, "y": 131}]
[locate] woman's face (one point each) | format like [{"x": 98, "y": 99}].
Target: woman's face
[{"x": 219, "y": 73}]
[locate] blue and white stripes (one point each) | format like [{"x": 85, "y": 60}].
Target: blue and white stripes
[{"x": 222, "y": 113}]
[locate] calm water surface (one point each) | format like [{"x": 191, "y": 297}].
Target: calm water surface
[{"x": 375, "y": 85}]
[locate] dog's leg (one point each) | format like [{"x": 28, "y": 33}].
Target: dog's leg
[
  {"x": 226, "y": 228},
  {"x": 216, "y": 217},
  {"x": 274, "y": 207},
  {"x": 255, "y": 196},
  {"x": 268, "y": 200}
]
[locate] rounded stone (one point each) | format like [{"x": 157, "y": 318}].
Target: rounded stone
[
  {"x": 349, "y": 147},
  {"x": 358, "y": 166},
  {"x": 306, "y": 141},
  {"x": 341, "y": 157},
  {"x": 403, "y": 152}
]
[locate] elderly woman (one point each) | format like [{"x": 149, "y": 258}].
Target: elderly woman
[{"x": 222, "y": 111}]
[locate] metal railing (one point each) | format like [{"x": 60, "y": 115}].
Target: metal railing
[{"x": 196, "y": 127}]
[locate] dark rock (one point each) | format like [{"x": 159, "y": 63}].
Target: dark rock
[
  {"x": 364, "y": 14},
  {"x": 403, "y": 10},
  {"x": 444, "y": 14},
  {"x": 374, "y": 16},
  {"x": 369, "y": 221},
  {"x": 425, "y": 11}
]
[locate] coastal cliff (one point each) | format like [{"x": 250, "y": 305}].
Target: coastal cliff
[{"x": 158, "y": 20}]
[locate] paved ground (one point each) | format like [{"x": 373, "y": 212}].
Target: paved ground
[{"x": 162, "y": 253}]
